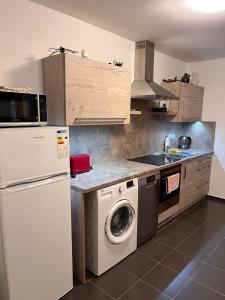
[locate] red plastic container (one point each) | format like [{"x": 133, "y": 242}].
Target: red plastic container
[{"x": 79, "y": 164}]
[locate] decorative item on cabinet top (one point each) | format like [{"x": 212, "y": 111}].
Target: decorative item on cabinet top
[{"x": 82, "y": 91}]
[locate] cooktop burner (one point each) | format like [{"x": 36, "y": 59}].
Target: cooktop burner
[{"x": 155, "y": 159}]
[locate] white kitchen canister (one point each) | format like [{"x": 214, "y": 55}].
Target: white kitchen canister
[{"x": 84, "y": 53}]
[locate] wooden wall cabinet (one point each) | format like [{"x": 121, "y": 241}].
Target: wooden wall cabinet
[
  {"x": 82, "y": 91},
  {"x": 195, "y": 178},
  {"x": 189, "y": 106}
]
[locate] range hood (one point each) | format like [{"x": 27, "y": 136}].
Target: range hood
[{"x": 143, "y": 86}]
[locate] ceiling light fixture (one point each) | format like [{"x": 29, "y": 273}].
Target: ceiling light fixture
[{"x": 207, "y": 6}]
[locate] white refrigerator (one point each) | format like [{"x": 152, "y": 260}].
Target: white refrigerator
[{"x": 35, "y": 214}]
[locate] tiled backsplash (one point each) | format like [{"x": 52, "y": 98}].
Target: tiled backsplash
[{"x": 145, "y": 134}]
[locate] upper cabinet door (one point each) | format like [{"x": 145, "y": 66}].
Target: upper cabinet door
[
  {"x": 191, "y": 102},
  {"x": 189, "y": 106},
  {"x": 92, "y": 93},
  {"x": 95, "y": 92}
]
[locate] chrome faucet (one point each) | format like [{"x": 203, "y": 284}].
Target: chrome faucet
[{"x": 167, "y": 144}]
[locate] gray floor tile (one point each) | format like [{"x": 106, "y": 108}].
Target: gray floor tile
[
  {"x": 195, "y": 249},
  {"x": 180, "y": 228},
  {"x": 182, "y": 263},
  {"x": 88, "y": 291},
  {"x": 195, "y": 217},
  {"x": 154, "y": 250},
  {"x": 165, "y": 280},
  {"x": 137, "y": 264},
  {"x": 115, "y": 281},
  {"x": 222, "y": 246},
  {"x": 169, "y": 238},
  {"x": 216, "y": 206},
  {"x": 208, "y": 282},
  {"x": 211, "y": 277},
  {"x": 210, "y": 237},
  {"x": 141, "y": 291},
  {"x": 217, "y": 259},
  {"x": 195, "y": 291}
]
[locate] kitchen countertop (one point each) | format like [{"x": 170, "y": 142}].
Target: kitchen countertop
[{"x": 110, "y": 173}]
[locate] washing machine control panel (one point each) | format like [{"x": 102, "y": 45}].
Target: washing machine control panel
[{"x": 118, "y": 189}]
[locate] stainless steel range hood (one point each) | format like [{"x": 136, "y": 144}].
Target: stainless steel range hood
[{"x": 143, "y": 86}]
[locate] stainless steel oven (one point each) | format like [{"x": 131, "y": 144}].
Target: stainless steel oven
[
  {"x": 20, "y": 109},
  {"x": 168, "y": 200}
]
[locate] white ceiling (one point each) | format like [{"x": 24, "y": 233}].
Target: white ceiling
[{"x": 176, "y": 29}]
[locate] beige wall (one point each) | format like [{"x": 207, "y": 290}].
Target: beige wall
[
  {"x": 31, "y": 29},
  {"x": 168, "y": 67},
  {"x": 212, "y": 76},
  {"x": 28, "y": 30}
]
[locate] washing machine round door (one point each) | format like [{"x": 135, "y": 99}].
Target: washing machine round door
[{"x": 120, "y": 222}]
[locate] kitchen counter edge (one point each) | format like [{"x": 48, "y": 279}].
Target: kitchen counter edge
[{"x": 145, "y": 169}]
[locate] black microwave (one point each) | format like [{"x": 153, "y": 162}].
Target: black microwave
[{"x": 20, "y": 109}]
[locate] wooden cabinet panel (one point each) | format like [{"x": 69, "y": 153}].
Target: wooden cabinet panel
[
  {"x": 195, "y": 178},
  {"x": 93, "y": 92},
  {"x": 189, "y": 106},
  {"x": 191, "y": 101},
  {"x": 173, "y": 87},
  {"x": 54, "y": 87}
]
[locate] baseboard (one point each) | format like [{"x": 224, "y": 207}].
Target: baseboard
[{"x": 217, "y": 199}]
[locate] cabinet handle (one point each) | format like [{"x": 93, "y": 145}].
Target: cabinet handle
[{"x": 99, "y": 120}]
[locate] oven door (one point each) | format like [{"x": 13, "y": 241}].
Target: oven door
[
  {"x": 18, "y": 109},
  {"x": 168, "y": 200}
]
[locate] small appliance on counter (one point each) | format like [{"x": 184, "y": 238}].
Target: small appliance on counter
[
  {"x": 184, "y": 142},
  {"x": 79, "y": 164}
]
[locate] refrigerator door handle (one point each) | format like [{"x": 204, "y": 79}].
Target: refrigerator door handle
[{"x": 35, "y": 182}]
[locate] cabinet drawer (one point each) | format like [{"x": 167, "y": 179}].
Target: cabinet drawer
[
  {"x": 204, "y": 162},
  {"x": 195, "y": 178},
  {"x": 203, "y": 189}
]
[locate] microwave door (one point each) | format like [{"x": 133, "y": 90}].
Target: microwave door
[
  {"x": 17, "y": 109},
  {"x": 42, "y": 106}
]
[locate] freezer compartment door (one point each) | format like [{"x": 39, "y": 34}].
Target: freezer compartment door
[
  {"x": 35, "y": 222},
  {"x": 32, "y": 152}
]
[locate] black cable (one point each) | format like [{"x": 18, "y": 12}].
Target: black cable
[{"x": 61, "y": 50}]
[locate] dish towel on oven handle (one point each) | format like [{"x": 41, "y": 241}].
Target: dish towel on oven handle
[{"x": 172, "y": 183}]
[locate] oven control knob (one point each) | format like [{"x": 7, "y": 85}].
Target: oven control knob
[{"x": 121, "y": 189}]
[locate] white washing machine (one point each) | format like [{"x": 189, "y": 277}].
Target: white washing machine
[{"x": 111, "y": 225}]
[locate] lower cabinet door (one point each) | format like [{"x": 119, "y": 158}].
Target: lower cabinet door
[{"x": 195, "y": 179}]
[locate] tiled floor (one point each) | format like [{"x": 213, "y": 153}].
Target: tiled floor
[{"x": 185, "y": 261}]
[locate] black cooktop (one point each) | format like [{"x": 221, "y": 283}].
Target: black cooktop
[{"x": 155, "y": 159}]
